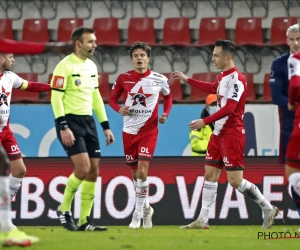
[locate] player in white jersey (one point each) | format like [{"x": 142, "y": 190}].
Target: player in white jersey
[
  {"x": 226, "y": 145},
  {"x": 141, "y": 88}
]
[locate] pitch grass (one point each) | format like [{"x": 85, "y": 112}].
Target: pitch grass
[{"x": 162, "y": 237}]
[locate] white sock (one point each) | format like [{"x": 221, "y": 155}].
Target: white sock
[
  {"x": 5, "y": 217},
  {"x": 14, "y": 186},
  {"x": 251, "y": 191},
  {"x": 209, "y": 194},
  {"x": 141, "y": 193},
  {"x": 294, "y": 180}
]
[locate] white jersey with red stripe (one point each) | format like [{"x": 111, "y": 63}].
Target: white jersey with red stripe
[
  {"x": 141, "y": 92},
  {"x": 8, "y": 81},
  {"x": 231, "y": 85}
]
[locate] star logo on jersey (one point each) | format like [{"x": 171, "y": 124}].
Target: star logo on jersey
[
  {"x": 139, "y": 97},
  {"x": 3, "y": 97}
]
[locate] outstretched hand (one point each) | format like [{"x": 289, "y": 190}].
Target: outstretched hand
[
  {"x": 61, "y": 47},
  {"x": 179, "y": 75},
  {"x": 196, "y": 124}
]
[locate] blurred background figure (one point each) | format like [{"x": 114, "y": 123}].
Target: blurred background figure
[{"x": 199, "y": 138}]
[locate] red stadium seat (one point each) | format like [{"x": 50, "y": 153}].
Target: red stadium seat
[
  {"x": 267, "y": 97},
  {"x": 278, "y": 29},
  {"x": 104, "y": 87},
  {"x": 248, "y": 31},
  {"x": 65, "y": 28},
  {"x": 107, "y": 31},
  {"x": 6, "y": 29},
  {"x": 251, "y": 93},
  {"x": 211, "y": 29},
  {"x": 23, "y": 95},
  {"x": 35, "y": 30},
  {"x": 175, "y": 87},
  {"x": 141, "y": 29},
  {"x": 176, "y": 31},
  {"x": 198, "y": 95}
]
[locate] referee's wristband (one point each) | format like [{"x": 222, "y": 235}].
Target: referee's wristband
[
  {"x": 62, "y": 121},
  {"x": 105, "y": 125}
]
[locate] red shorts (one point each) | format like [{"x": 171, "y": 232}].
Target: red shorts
[
  {"x": 225, "y": 152},
  {"x": 139, "y": 147},
  {"x": 10, "y": 144},
  {"x": 293, "y": 152}
]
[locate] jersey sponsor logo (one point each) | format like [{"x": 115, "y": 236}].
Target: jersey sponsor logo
[
  {"x": 58, "y": 82},
  {"x": 3, "y": 97},
  {"x": 271, "y": 73},
  {"x": 139, "y": 97},
  {"x": 236, "y": 89},
  {"x": 291, "y": 68}
]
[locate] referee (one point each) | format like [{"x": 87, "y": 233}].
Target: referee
[{"x": 74, "y": 96}]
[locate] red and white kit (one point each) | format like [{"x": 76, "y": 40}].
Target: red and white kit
[
  {"x": 141, "y": 93},
  {"x": 293, "y": 149},
  {"x": 8, "y": 81},
  {"x": 229, "y": 131}
]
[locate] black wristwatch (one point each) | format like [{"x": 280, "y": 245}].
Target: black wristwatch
[{"x": 63, "y": 126}]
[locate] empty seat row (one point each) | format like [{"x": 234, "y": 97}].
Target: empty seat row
[
  {"x": 196, "y": 95},
  {"x": 176, "y": 31}
]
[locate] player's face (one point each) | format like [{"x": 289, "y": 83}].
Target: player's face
[
  {"x": 87, "y": 45},
  {"x": 7, "y": 62},
  {"x": 293, "y": 40},
  {"x": 218, "y": 58},
  {"x": 140, "y": 60}
]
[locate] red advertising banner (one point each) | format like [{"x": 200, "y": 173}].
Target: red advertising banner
[{"x": 175, "y": 185}]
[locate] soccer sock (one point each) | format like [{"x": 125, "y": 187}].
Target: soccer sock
[
  {"x": 209, "y": 194},
  {"x": 141, "y": 193},
  {"x": 294, "y": 180},
  {"x": 14, "y": 186},
  {"x": 72, "y": 185},
  {"x": 5, "y": 217},
  {"x": 88, "y": 190},
  {"x": 251, "y": 191}
]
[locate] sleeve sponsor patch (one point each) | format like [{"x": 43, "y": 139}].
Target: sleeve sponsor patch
[{"x": 58, "y": 82}]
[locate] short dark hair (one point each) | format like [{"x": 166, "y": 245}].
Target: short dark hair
[
  {"x": 140, "y": 45},
  {"x": 226, "y": 45},
  {"x": 78, "y": 32}
]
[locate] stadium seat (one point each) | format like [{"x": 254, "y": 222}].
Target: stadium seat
[
  {"x": 65, "y": 28},
  {"x": 176, "y": 42},
  {"x": 23, "y": 95},
  {"x": 141, "y": 29},
  {"x": 35, "y": 30},
  {"x": 104, "y": 87},
  {"x": 198, "y": 95},
  {"x": 107, "y": 31},
  {"x": 278, "y": 29},
  {"x": 108, "y": 41},
  {"x": 251, "y": 93},
  {"x": 175, "y": 87},
  {"x": 176, "y": 31},
  {"x": 249, "y": 41},
  {"x": 211, "y": 29},
  {"x": 6, "y": 29},
  {"x": 267, "y": 97}
]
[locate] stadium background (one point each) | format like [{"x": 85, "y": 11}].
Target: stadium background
[{"x": 169, "y": 171}]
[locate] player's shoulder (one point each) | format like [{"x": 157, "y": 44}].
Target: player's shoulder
[
  {"x": 158, "y": 76},
  {"x": 296, "y": 56},
  {"x": 281, "y": 60},
  {"x": 238, "y": 76},
  {"x": 10, "y": 74}
]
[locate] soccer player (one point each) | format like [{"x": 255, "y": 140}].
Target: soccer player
[
  {"x": 279, "y": 84},
  {"x": 226, "y": 145},
  {"x": 30, "y": 48},
  {"x": 292, "y": 166},
  {"x": 141, "y": 87},
  {"x": 75, "y": 95},
  {"x": 9, "y": 235},
  {"x": 8, "y": 81}
]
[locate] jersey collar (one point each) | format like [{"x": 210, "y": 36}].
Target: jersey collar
[
  {"x": 138, "y": 75},
  {"x": 228, "y": 72}
]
